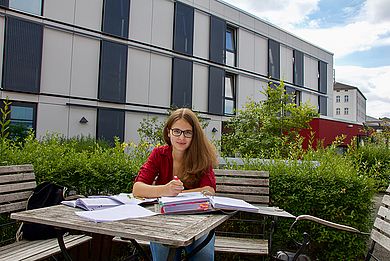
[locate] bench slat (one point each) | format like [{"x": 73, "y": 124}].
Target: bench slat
[
  {"x": 239, "y": 173},
  {"x": 35, "y": 250},
  {"x": 242, "y": 181},
  {"x": 18, "y": 196},
  {"x": 384, "y": 213},
  {"x": 386, "y": 200},
  {"x": 241, "y": 245},
  {"x": 240, "y": 189},
  {"x": 18, "y": 187},
  {"x": 383, "y": 226},
  {"x": 16, "y": 169},
  {"x": 380, "y": 239},
  {"x": 17, "y": 206},
  {"x": 18, "y": 177}
]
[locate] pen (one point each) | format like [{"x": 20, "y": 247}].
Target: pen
[{"x": 175, "y": 178}]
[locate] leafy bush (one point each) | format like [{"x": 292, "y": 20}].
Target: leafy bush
[
  {"x": 87, "y": 167},
  {"x": 269, "y": 128},
  {"x": 333, "y": 190}
]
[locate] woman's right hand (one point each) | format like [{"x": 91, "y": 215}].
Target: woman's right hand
[{"x": 173, "y": 188}]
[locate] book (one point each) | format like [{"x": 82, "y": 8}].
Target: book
[
  {"x": 102, "y": 202},
  {"x": 196, "y": 202}
]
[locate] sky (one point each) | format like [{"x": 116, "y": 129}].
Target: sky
[{"x": 357, "y": 32}]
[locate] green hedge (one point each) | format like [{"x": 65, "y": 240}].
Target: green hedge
[
  {"x": 333, "y": 191},
  {"x": 81, "y": 165}
]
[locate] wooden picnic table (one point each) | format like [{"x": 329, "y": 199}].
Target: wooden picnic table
[{"x": 171, "y": 230}]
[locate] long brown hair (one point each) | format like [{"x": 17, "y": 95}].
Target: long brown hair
[{"x": 201, "y": 154}]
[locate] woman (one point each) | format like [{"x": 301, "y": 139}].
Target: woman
[{"x": 185, "y": 164}]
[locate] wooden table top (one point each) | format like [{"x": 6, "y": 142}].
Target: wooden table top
[{"x": 173, "y": 230}]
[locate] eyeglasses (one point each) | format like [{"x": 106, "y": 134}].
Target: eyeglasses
[{"x": 178, "y": 132}]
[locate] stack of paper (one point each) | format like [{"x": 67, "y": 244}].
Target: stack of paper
[
  {"x": 191, "y": 202},
  {"x": 102, "y": 202}
]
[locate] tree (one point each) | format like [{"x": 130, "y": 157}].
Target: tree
[{"x": 268, "y": 128}]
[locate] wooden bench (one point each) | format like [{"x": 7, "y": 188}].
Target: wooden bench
[
  {"x": 253, "y": 187},
  {"x": 16, "y": 185}
]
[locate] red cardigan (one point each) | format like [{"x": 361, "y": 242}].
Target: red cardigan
[{"x": 159, "y": 168}]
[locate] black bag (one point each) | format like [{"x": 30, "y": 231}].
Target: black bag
[{"x": 45, "y": 195}]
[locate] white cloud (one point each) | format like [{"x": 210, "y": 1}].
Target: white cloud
[
  {"x": 376, "y": 11},
  {"x": 373, "y": 83}
]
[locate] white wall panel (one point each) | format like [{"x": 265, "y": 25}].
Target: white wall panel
[
  {"x": 89, "y": 14},
  {"x": 260, "y": 88},
  {"x": 310, "y": 98},
  {"x": 286, "y": 64},
  {"x": 246, "y": 47},
  {"x": 60, "y": 10},
  {"x": 141, "y": 20},
  {"x": 160, "y": 80},
  {"x": 245, "y": 90},
  {"x": 138, "y": 67},
  {"x": 52, "y": 118},
  {"x": 202, "y": 3},
  {"x": 261, "y": 55},
  {"x": 162, "y": 24},
  {"x": 200, "y": 87},
  {"x": 232, "y": 14},
  {"x": 217, "y": 8},
  {"x": 82, "y": 129},
  {"x": 132, "y": 123},
  {"x": 311, "y": 72},
  {"x": 56, "y": 62},
  {"x": 85, "y": 67},
  {"x": 201, "y": 35}
]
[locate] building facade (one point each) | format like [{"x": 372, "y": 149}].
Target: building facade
[
  {"x": 349, "y": 103},
  {"x": 99, "y": 67}
]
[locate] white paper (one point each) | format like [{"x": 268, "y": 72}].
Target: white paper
[
  {"x": 232, "y": 204},
  {"x": 184, "y": 197},
  {"x": 116, "y": 213}
]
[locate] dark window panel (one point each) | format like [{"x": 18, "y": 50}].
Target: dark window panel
[
  {"x": 4, "y": 3},
  {"x": 22, "y": 56},
  {"x": 216, "y": 90},
  {"x": 184, "y": 28},
  {"x": 322, "y": 79},
  {"x": 230, "y": 55},
  {"x": 113, "y": 71},
  {"x": 110, "y": 124},
  {"x": 273, "y": 59},
  {"x": 298, "y": 68},
  {"x": 217, "y": 40},
  {"x": 116, "y": 17},
  {"x": 181, "y": 95},
  {"x": 322, "y": 104}
]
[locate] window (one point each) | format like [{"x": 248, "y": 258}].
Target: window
[
  {"x": 230, "y": 55},
  {"x": 22, "y": 56},
  {"x": 338, "y": 98},
  {"x": 113, "y": 71},
  {"x": 230, "y": 95},
  {"x": 22, "y": 118},
  {"x": 337, "y": 111},
  {"x": 295, "y": 95},
  {"x": 322, "y": 77},
  {"x": 116, "y": 17},
  {"x": 298, "y": 68},
  {"x": 273, "y": 59},
  {"x": 346, "y": 110},
  {"x": 181, "y": 95},
  {"x": 31, "y": 6},
  {"x": 184, "y": 28},
  {"x": 346, "y": 98},
  {"x": 322, "y": 105},
  {"x": 216, "y": 90},
  {"x": 110, "y": 124},
  {"x": 217, "y": 40}
]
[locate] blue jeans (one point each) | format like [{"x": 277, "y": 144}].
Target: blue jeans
[{"x": 160, "y": 252}]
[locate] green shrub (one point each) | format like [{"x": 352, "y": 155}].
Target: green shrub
[
  {"x": 87, "y": 167},
  {"x": 333, "y": 191}
]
